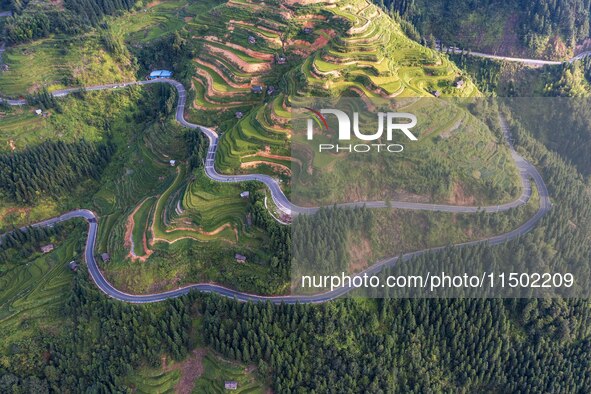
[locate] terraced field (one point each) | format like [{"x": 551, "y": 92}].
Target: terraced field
[
  {"x": 148, "y": 381},
  {"x": 141, "y": 223},
  {"x": 214, "y": 372},
  {"x": 217, "y": 371},
  {"x": 155, "y": 20},
  {"x": 293, "y": 50},
  {"x": 31, "y": 294}
]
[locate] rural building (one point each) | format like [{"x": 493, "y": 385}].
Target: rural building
[
  {"x": 281, "y": 59},
  {"x": 47, "y": 248},
  {"x": 460, "y": 84},
  {"x": 307, "y": 30},
  {"x": 245, "y": 194},
  {"x": 160, "y": 74},
  {"x": 256, "y": 89},
  {"x": 38, "y": 112},
  {"x": 73, "y": 266},
  {"x": 172, "y": 163},
  {"x": 252, "y": 40},
  {"x": 436, "y": 93},
  {"x": 230, "y": 385},
  {"x": 239, "y": 115},
  {"x": 271, "y": 90},
  {"x": 106, "y": 258},
  {"x": 240, "y": 258}
]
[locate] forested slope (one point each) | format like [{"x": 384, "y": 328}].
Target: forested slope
[
  {"x": 38, "y": 19},
  {"x": 547, "y": 28}
]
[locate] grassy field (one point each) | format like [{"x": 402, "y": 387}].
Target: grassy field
[
  {"x": 58, "y": 62},
  {"x": 457, "y": 160}
]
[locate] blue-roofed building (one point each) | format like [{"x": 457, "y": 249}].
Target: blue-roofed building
[{"x": 160, "y": 74}]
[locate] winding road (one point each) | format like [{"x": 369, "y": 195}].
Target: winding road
[{"x": 527, "y": 171}]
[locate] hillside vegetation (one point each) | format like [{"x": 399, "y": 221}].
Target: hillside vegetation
[
  {"x": 345, "y": 48},
  {"x": 552, "y": 29}
]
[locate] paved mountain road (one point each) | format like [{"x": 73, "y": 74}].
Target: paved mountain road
[
  {"x": 526, "y": 61},
  {"x": 526, "y": 170}
]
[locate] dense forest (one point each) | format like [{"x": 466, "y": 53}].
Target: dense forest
[
  {"x": 375, "y": 346},
  {"x": 407, "y": 346},
  {"x": 124, "y": 336},
  {"x": 383, "y": 345},
  {"x": 51, "y": 168},
  {"x": 32, "y": 20},
  {"x": 17, "y": 245},
  {"x": 279, "y": 235},
  {"x": 547, "y": 27},
  {"x": 321, "y": 242},
  {"x": 557, "y": 110}
]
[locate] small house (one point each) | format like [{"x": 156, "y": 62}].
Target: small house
[
  {"x": 239, "y": 115},
  {"x": 270, "y": 90},
  {"x": 156, "y": 74},
  {"x": 245, "y": 194},
  {"x": 307, "y": 30},
  {"x": 73, "y": 266},
  {"x": 231, "y": 385},
  {"x": 281, "y": 59},
  {"x": 252, "y": 40},
  {"x": 172, "y": 163},
  {"x": 38, "y": 112},
  {"x": 436, "y": 93},
  {"x": 460, "y": 83},
  {"x": 257, "y": 89},
  {"x": 240, "y": 258},
  {"x": 47, "y": 248},
  {"x": 105, "y": 257}
]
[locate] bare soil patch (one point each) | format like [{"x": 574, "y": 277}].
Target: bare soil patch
[
  {"x": 459, "y": 197},
  {"x": 304, "y": 48},
  {"x": 360, "y": 253},
  {"x": 191, "y": 369},
  {"x": 280, "y": 168}
]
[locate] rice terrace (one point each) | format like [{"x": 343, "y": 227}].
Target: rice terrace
[
  {"x": 171, "y": 171},
  {"x": 164, "y": 224}
]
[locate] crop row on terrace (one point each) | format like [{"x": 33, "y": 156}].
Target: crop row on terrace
[{"x": 32, "y": 294}]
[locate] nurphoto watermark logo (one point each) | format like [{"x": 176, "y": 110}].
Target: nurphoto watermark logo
[{"x": 392, "y": 123}]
